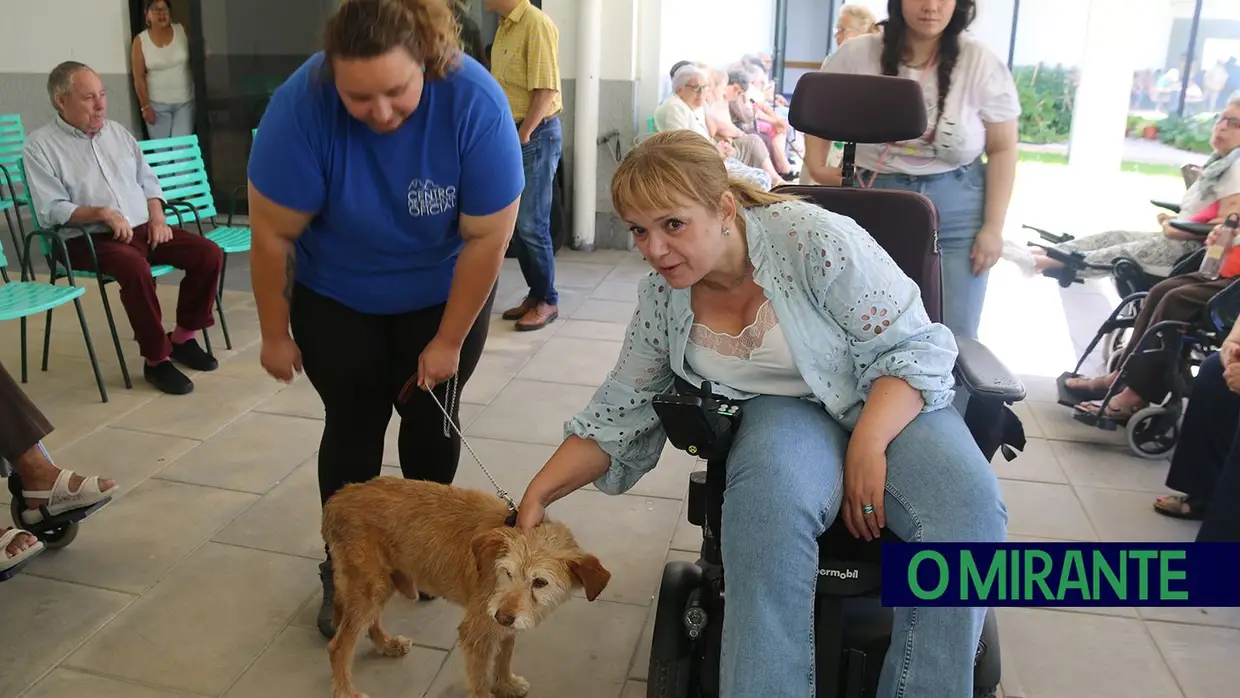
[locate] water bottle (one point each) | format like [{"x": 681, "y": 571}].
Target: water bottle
[{"x": 1216, "y": 253}]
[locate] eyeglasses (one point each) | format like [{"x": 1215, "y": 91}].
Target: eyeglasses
[
  {"x": 1227, "y": 121},
  {"x": 696, "y": 88}
]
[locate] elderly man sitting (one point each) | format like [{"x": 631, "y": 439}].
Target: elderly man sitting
[
  {"x": 685, "y": 110},
  {"x": 87, "y": 171}
]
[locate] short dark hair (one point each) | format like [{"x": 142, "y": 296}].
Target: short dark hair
[{"x": 427, "y": 29}]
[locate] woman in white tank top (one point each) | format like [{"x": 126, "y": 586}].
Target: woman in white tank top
[{"x": 161, "y": 74}]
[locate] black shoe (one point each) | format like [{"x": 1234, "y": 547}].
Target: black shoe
[
  {"x": 167, "y": 378},
  {"x": 326, "y": 627},
  {"x": 192, "y": 356}
]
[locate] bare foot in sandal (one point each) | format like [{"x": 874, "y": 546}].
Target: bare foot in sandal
[
  {"x": 1180, "y": 506},
  {"x": 1120, "y": 408},
  {"x": 1097, "y": 384},
  {"x": 39, "y": 475},
  {"x": 20, "y": 542}
]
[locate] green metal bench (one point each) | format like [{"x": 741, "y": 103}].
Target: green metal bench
[
  {"x": 22, "y": 299},
  {"x": 177, "y": 163},
  {"x": 13, "y": 194}
]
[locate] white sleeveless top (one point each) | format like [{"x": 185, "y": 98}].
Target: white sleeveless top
[
  {"x": 756, "y": 361},
  {"x": 168, "y": 78}
]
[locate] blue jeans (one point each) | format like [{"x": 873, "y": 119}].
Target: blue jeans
[
  {"x": 171, "y": 120},
  {"x": 541, "y": 157},
  {"x": 784, "y": 488},
  {"x": 960, "y": 198}
]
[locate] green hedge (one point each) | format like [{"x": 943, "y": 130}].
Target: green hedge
[{"x": 1046, "y": 96}]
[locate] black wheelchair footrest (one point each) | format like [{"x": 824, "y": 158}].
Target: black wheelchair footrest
[
  {"x": 1069, "y": 397},
  {"x": 68, "y": 518},
  {"x": 1094, "y": 420}
]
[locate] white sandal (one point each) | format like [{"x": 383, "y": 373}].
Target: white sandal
[
  {"x": 10, "y": 565},
  {"x": 60, "y": 499}
]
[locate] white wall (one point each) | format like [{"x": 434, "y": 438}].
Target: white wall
[
  {"x": 35, "y": 35},
  {"x": 717, "y": 32},
  {"x": 620, "y": 28}
]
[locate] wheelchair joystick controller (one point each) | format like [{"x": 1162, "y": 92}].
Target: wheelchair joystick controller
[{"x": 698, "y": 422}]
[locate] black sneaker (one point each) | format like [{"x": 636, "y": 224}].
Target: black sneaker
[
  {"x": 168, "y": 379},
  {"x": 326, "y": 627},
  {"x": 192, "y": 356}
]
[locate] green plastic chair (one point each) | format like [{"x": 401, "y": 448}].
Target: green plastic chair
[
  {"x": 13, "y": 193},
  {"x": 177, "y": 163},
  {"x": 57, "y": 256},
  {"x": 22, "y": 299},
  {"x": 650, "y": 129}
]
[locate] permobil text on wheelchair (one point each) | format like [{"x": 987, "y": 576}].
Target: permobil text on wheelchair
[{"x": 852, "y": 630}]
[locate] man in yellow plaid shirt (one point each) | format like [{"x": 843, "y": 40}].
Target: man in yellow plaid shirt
[{"x": 525, "y": 61}]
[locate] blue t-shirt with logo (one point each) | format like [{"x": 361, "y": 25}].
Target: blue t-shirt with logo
[{"x": 384, "y": 238}]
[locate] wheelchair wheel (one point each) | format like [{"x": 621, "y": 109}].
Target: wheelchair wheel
[
  {"x": 53, "y": 539},
  {"x": 671, "y": 649},
  {"x": 1153, "y": 431}
]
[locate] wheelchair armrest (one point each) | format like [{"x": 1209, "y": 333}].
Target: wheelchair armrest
[
  {"x": 1202, "y": 229},
  {"x": 1172, "y": 207},
  {"x": 984, "y": 375}
]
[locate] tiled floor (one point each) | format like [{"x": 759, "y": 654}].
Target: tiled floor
[{"x": 200, "y": 580}]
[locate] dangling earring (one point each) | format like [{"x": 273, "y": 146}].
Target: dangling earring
[{"x": 727, "y": 232}]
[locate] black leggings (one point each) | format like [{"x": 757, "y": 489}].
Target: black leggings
[{"x": 358, "y": 363}]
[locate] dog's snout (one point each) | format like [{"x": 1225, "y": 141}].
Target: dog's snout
[{"x": 504, "y": 618}]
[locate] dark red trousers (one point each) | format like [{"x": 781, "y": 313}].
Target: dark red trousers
[{"x": 130, "y": 264}]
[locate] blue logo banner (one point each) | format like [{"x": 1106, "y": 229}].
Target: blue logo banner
[{"x": 1061, "y": 574}]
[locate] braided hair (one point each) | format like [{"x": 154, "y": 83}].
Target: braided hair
[{"x": 894, "y": 48}]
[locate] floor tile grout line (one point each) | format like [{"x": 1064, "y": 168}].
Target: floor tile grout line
[
  {"x": 73, "y": 650},
  {"x": 119, "y": 679}
]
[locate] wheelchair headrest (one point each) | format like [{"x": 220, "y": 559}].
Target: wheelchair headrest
[{"x": 858, "y": 108}]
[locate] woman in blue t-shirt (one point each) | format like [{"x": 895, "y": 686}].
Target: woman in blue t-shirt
[{"x": 384, "y": 184}]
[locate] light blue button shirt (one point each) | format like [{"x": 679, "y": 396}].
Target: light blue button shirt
[
  {"x": 849, "y": 313},
  {"x": 67, "y": 168}
]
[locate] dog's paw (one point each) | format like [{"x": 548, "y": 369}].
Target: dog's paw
[
  {"x": 396, "y": 646},
  {"x": 512, "y": 687}
]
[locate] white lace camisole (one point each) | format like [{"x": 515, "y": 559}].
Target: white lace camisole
[{"x": 756, "y": 361}]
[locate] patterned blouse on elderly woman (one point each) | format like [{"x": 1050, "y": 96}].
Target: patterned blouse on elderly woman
[{"x": 849, "y": 314}]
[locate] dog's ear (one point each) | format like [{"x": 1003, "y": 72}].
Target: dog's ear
[
  {"x": 590, "y": 573},
  {"x": 487, "y": 547}
]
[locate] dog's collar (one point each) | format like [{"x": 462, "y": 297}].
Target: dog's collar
[{"x": 511, "y": 521}]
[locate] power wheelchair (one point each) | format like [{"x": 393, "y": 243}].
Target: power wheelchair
[{"x": 852, "y": 629}]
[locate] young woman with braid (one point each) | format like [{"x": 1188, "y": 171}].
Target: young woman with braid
[{"x": 972, "y": 107}]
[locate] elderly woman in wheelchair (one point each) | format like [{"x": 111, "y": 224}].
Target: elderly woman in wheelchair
[
  {"x": 1212, "y": 196},
  {"x": 846, "y": 386}
]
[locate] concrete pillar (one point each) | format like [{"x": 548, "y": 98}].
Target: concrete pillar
[
  {"x": 1100, "y": 112},
  {"x": 585, "y": 134}
]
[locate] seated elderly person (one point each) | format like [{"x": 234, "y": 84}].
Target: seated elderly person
[
  {"x": 87, "y": 173},
  {"x": 750, "y": 148},
  {"x": 43, "y": 484},
  {"x": 747, "y": 113},
  {"x": 685, "y": 110},
  {"x": 1213, "y": 195},
  {"x": 1206, "y": 464}
]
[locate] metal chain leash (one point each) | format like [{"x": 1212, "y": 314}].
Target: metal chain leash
[{"x": 452, "y": 388}]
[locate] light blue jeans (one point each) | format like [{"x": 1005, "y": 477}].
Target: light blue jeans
[
  {"x": 784, "y": 488},
  {"x": 171, "y": 120},
  {"x": 960, "y": 198},
  {"x": 535, "y": 249}
]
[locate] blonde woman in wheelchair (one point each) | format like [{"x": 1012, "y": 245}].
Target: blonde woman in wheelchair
[{"x": 847, "y": 386}]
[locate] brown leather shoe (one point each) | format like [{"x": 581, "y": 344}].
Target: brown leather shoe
[
  {"x": 538, "y": 317},
  {"x": 520, "y": 311}
]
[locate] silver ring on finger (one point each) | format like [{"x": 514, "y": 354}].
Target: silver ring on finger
[{"x": 867, "y": 509}]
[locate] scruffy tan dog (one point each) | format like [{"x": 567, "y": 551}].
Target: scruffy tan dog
[{"x": 392, "y": 534}]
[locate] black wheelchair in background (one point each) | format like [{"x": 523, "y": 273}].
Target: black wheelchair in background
[{"x": 852, "y": 630}]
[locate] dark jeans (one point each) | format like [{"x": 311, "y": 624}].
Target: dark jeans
[
  {"x": 358, "y": 364},
  {"x": 22, "y": 425},
  {"x": 130, "y": 264},
  {"x": 1206, "y": 465},
  {"x": 541, "y": 157}
]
